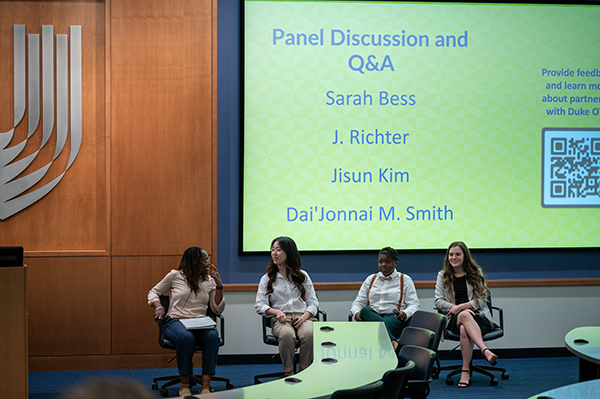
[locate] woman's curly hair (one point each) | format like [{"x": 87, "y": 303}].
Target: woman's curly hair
[{"x": 194, "y": 268}]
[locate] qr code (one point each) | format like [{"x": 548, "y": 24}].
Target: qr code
[{"x": 571, "y": 167}]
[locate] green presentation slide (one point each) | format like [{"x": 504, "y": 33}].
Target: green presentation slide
[{"x": 368, "y": 124}]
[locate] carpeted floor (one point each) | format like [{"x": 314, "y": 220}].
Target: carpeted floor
[{"x": 527, "y": 377}]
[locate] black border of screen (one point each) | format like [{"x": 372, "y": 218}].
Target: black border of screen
[{"x": 241, "y": 93}]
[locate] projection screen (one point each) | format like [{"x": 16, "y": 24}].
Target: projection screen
[{"x": 409, "y": 124}]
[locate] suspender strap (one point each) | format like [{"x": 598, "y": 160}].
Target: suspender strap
[
  {"x": 369, "y": 290},
  {"x": 401, "y": 290}
]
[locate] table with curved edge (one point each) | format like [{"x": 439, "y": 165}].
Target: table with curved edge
[
  {"x": 581, "y": 390},
  {"x": 346, "y": 355},
  {"x": 585, "y": 343}
]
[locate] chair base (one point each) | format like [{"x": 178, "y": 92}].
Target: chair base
[
  {"x": 258, "y": 378},
  {"x": 485, "y": 370},
  {"x": 176, "y": 379},
  {"x": 435, "y": 371},
  {"x": 279, "y": 374}
]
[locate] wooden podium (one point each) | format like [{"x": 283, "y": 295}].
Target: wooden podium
[{"x": 14, "y": 362}]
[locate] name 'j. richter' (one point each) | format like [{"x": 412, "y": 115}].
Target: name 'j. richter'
[{"x": 376, "y": 137}]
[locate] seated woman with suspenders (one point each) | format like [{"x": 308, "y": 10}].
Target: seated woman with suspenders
[{"x": 387, "y": 296}]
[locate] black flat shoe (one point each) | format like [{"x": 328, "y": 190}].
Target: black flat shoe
[
  {"x": 463, "y": 384},
  {"x": 494, "y": 360}
]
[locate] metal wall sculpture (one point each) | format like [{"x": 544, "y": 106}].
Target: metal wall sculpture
[{"x": 68, "y": 77}]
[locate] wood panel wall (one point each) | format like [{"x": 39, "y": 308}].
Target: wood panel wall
[
  {"x": 13, "y": 334},
  {"x": 142, "y": 189}
]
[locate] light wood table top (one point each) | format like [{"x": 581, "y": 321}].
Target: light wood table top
[{"x": 346, "y": 355}]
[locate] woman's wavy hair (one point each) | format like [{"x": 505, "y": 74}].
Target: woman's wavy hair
[
  {"x": 193, "y": 267},
  {"x": 293, "y": 264},
  {"x": 473, "y": 272}
]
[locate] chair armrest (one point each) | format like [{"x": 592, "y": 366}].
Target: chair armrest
[
  {"x": 441, "y": 311},
  {"x": 418, "y": 381},
  {"x": 221, "y": 326},
  {"x": 322, "y": 312},
  {"x": 161, "y": 329},
  {"x": 265, "y": 323},
  {"x": 501, "y": 317}
]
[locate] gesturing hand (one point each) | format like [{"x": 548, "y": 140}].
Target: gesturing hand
[
  {"x": 454, "y": 309},
  {"x": 159, "y": 313},
  {"x": 298, "y": 321},
  {"x": 401, "y": 315},
  {"x": 280, "y": 316},
  {"x": 214, "y": 273}
]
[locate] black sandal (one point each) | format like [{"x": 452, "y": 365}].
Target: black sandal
[
  {"x": 494, "y": 360},
  {"x": 462, "y": 384}
]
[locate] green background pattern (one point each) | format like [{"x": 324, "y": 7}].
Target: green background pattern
[{"x": 474, "y": 141}]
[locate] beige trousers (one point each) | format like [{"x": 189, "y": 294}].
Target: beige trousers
[{"x": 287, "y": 348}]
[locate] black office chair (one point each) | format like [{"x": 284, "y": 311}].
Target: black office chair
[
  {"x": 435, "y": 322},
  {"x": 166, "y": 344},
  {"x": 486, "y": 370},
  {"x": 416, "y": 336},
  {"x": 270, "y": 339},
  {"x": 369, "y": 391},
  {"x": 393, "y": 381},
  {"x": 417, "y": 382}
]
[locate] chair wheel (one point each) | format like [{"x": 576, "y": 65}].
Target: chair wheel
[
  {"x": 435, "y": 376},
  {"x": 494, "y": 382},
  {"x": 449, "y": 381},
  {"x": 229, "y": 385},
  {"x": 505, "y": 376},
  {"x": 155, "y": 385},
  {"x": 164, "y": 392}
]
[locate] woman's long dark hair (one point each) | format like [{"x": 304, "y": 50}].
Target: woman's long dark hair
[
  {"x": 472, "y": 270},
  {"x": 293, "y": 268},
  {"x": 193, "y": 268}
]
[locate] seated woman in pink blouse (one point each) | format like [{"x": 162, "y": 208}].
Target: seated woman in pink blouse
[{"x": 194, "y": 287}]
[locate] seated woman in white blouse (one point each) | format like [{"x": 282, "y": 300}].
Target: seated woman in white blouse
[
  {"x": 388, "y": 296},
  {"x": 287, "y": 293}
]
